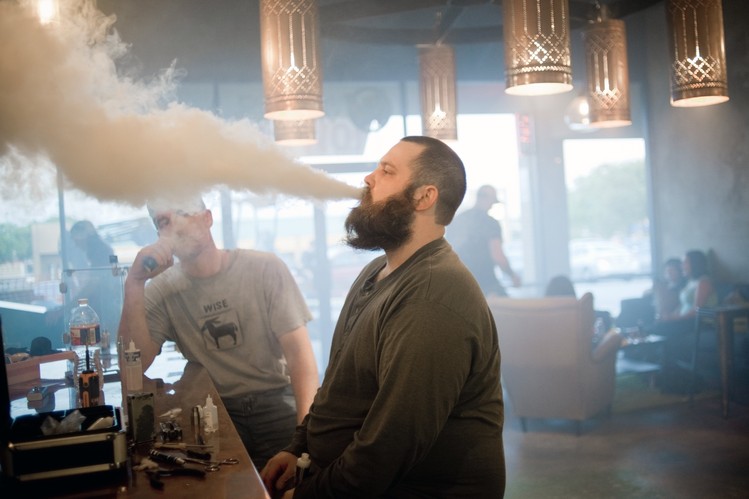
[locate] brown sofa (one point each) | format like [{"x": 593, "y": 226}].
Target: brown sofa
[{"x": 549, "y": 367}]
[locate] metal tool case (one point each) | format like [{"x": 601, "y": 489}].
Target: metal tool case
[{"x": 27, "y": 454}]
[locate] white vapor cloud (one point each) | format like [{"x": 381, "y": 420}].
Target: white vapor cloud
[{"x": 116, "y": 138}]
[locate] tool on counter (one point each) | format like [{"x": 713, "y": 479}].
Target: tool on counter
[
  {"x": 197, "y": 424},
  {"x": 212, "y": 465},
  {"x": 198, "y": 454},
  {"x": 163, "y": 457},
  {"x": 172, "y": 413},
  {"x": 170, "y": 431},
  {"x": 209, "y": 465},
  {"x": 196, "y": 451},
  {"x": 179, "y": 446},
  {"x": 155, "y": 475}
]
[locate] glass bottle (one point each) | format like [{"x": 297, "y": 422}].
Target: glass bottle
[{"x": 85, "y": 334}]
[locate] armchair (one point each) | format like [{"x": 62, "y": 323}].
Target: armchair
[{"x": 549, "y": 368}]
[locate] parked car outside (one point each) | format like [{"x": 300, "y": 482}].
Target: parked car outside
[{"x": 599, "y": 258}]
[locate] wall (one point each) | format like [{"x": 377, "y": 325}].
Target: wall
[{"x": 699, "y": 157}]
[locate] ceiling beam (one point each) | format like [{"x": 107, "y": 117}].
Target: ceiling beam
[
  {"x": 335, "y": 16},
  {"x": 343, "y": 11},
  {"x": 386, "y": 36}
]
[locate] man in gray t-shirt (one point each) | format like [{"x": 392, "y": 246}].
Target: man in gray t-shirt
[{"x": 238, "y": 313}]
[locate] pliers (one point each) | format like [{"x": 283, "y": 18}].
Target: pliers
[{"x": 155, "y": 475}]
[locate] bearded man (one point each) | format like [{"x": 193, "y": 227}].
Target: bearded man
[{"x": 411, "y": 404}]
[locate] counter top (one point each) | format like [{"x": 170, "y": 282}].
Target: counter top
[{"x": 180, "y": 391}]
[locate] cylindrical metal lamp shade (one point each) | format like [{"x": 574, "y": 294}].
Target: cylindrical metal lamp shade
[
  {"x": 608, "y": 75},
  {"x": 292, "y": 72},
  {"x": 295, "y": 132},
  {"x": 537, "y": 47},
  {"x": 698, "y": 54},
  {"x": 437, "y": 88}
]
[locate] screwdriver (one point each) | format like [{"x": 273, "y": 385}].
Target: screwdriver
[
  {"x": 179, "y": 446},
  {"x": 161, "y": 457},
  {"x": 198, "y": 451}
]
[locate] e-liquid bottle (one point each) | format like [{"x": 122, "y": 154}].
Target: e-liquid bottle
[{"x": 133, "y": 369}]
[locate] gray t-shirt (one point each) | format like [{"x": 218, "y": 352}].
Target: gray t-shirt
[{"x": 230, "y": 323}]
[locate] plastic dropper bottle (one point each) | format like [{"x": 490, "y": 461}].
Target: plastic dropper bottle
[
  {"x": 210, "y": 415},
  {"x": 302, "y": 467},
  {"x": 133, "y": 369}
]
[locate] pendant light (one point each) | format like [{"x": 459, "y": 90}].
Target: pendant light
[
  {"x": 608, "y": 75},
  {"x": 290, "y": 54},
  {"x": 437, "y": 89},
  {"x": 537, "y": 47},
  {"x": 295, "y": 132},
  {"x": 698, "y": 55}
]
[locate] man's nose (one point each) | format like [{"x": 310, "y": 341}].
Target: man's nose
[{"x": 368, "y": 179}]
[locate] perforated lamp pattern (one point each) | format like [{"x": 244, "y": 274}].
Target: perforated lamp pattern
[
  {"x": 438, "y": 95},
  {"x": 295, "y": 132},
  {"x": 292, "y": 72},
  {"x": 698, "y": 54},
  {"x": 537, "y": 47},
  {"x": 608, "y": 74}
]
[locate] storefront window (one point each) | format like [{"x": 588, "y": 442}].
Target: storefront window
[{"x": 608, "y": 219}]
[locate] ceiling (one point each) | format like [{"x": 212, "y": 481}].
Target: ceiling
[
  {"x": 219, "y": 40},
  {"x": 412, "y": 22}
]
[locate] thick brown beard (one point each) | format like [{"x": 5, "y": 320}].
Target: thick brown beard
[{"x": 384, "y": 225}]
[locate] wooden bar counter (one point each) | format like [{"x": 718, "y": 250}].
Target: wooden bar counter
[{"x": 174, "y": 391}]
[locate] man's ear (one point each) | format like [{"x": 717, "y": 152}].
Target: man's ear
[
  {"x": 207, "y": 216},
  {"x": 425, "y": 197}
]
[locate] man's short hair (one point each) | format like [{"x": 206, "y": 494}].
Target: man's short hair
[
  {"x": 440, "y": 166},
  {"x": 192, "y": 204}
]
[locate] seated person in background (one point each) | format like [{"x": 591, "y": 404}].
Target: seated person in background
[
  {"x": 678, "y": 326},
  {"x": 560, "y": 285},
  {"x": 662, "y": 300},
  {"x": 666, "y": 290},
  {"x": 603, "y": 336},
  {"x": 698, "y": 290}
]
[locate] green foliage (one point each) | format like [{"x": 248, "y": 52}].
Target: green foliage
[
  {"x": 15, "y": 243},
  {"x": 610, "y": 201}
]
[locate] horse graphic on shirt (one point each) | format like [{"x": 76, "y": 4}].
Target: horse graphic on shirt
[{"x": 217, "y": 331}]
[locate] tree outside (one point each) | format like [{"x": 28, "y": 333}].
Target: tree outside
[
  {"x": 15, "y": 243},
  {"x": 609, "y": 202}
]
